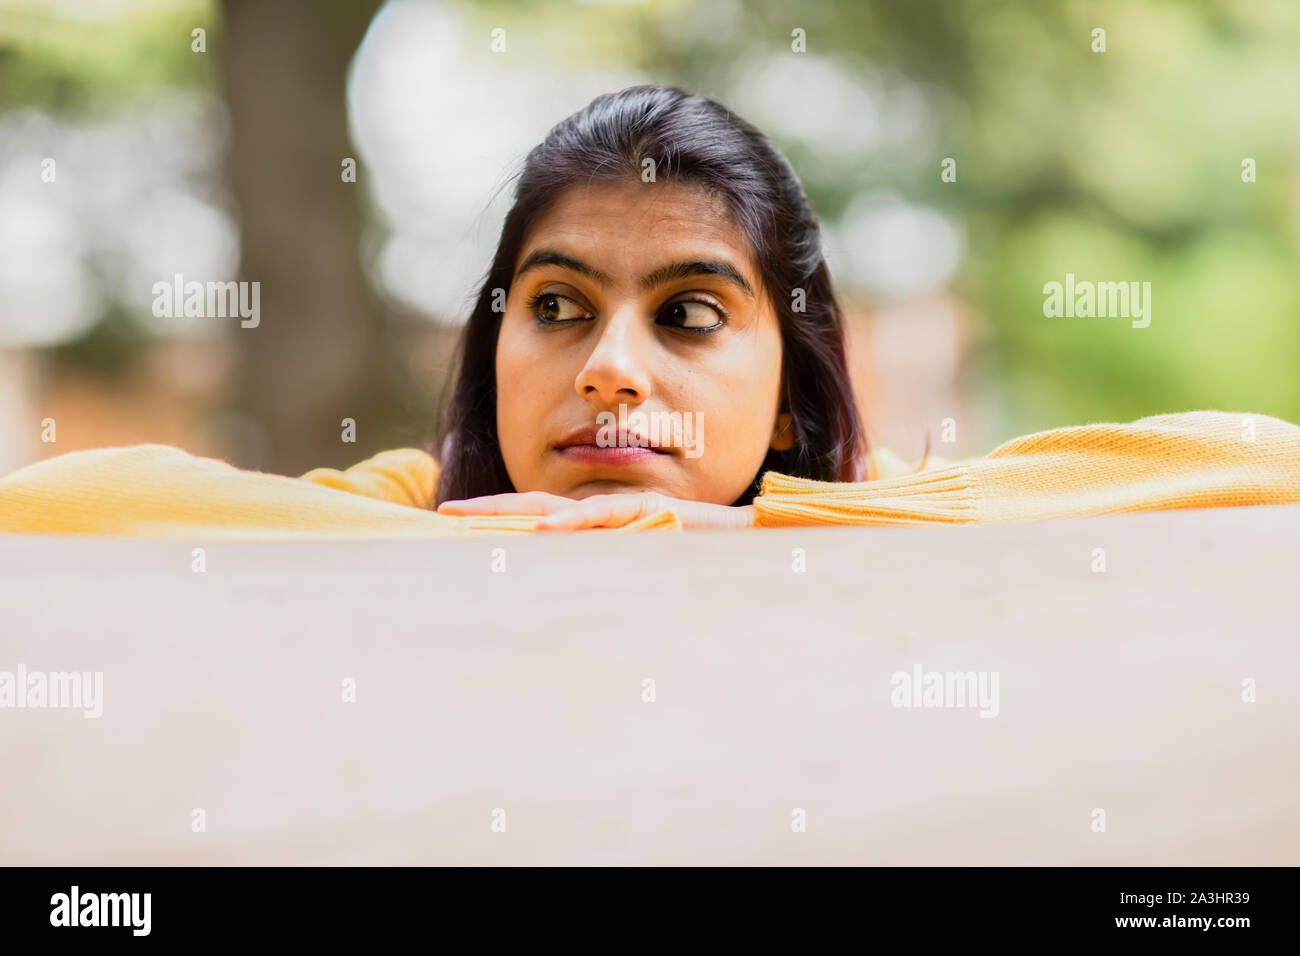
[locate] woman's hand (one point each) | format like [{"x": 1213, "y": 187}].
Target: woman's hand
[{"x": 600, "y": 511}]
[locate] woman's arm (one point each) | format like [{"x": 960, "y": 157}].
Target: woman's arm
[
  {"x": 163, "y": 491},
  {"x": 1185, "y": 460},
  {"x": 1200, "y": 459},
  {"x": 404, "y": 476}
]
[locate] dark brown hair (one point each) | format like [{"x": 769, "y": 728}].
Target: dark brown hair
[{"x": 695, "y": 140}]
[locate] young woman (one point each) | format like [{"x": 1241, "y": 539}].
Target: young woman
[
  {"x": 660, "y": 258},
  {"x": 657, "y": 344}
]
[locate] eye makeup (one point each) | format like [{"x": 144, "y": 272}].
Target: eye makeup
[{"x": 547, "y": 301}]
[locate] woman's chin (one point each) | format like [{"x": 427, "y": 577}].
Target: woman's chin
[
  {"x": 589, "y": 489},
  {"x": 584, "y": 475}
]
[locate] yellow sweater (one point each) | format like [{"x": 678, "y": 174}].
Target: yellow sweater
[{"x": 1187, "y": 460}]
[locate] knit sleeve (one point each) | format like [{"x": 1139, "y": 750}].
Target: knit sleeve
[
  {"x": 404, "y": 476},
  {"x": 161, "y": 491},
  {"x": 1204, "y": 459}
]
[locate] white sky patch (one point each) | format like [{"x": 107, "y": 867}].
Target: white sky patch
[
  {"x": 892, "y": 249},
  {"x": 440, "y": 123},
  {"x": 134, "y": 200}
]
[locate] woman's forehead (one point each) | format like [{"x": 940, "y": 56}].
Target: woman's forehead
[{"x": 627, "y": 226}]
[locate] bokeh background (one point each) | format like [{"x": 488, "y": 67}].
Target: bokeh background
[{"x": 226, "y": 164}]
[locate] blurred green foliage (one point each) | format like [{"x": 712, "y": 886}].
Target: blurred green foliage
[
  {"x": 1116, "y": 166},
  {"x": 77, "y": 67},
  {"x": 1122, "y": 165}
]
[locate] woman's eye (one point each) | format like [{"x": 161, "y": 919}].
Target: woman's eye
[
  {"x": 552, "y": 308},
  {"x": 698, "y": 316}
]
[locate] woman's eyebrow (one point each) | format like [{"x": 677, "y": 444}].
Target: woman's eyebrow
[
  {"x": 551, "y": 257},
  {"x": 697, "y": 267},
  {"x": 668, "y": 273}
]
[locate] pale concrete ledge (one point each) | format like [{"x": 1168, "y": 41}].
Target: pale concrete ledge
[{"x": 522, "y": 690}]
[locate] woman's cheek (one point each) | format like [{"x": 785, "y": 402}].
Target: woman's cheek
[
  {"x": 730, "y": 445},
  {"x": 514, "y": 408}
]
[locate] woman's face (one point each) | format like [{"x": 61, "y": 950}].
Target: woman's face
[{"x": 636, "y": 317}]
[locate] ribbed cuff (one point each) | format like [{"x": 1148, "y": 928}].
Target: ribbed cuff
[{"x": 939, "y": 496}]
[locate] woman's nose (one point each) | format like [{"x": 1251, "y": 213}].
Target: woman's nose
[{"x": 617, "y": 370}]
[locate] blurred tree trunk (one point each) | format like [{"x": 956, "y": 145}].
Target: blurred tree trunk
[{"x": 318, "y": 354}]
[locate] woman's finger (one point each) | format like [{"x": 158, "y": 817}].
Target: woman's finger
[
  {"x": 514, "y": 503},
  {"x": 602, "y": 511}
]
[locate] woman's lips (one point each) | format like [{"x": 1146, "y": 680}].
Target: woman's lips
[
  {"x": 592, "y": 446},
  {"x": 613, "y": 455}
]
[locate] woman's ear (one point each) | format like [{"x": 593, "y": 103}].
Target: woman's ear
[{"x": 783, "y": 432}]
